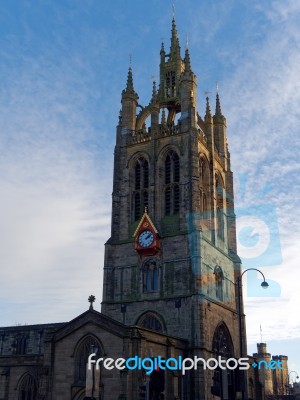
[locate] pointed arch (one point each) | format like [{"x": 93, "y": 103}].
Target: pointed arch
[
  {"x": 204, "y": 185},
  {"x": 27, "y": 387},
  {"x": 171, "y": 183},
  {"x": 86, "y": 345},
  {"x": 219, "y": 283},
  {"x": 140, "y": 195},
  {"x": 220, "y": 207},
  {"x": 150, "y": 272},
  {"x": 222, "y": 342},
  {"x": 151, "y": 320},
  {"x": 80, "y": 395}
]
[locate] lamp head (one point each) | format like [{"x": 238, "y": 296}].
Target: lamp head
[{"x": 265, "y": 285}]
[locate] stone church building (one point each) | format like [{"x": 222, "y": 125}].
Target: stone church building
[{"x": 170, "y": 268}]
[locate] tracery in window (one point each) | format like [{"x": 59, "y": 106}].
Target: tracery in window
[
  {"x": 203, "y": 186},
  {"x": 172, "y": 178},
  {"x": 27, "y": 388},
  {"x": 141, "y": 187},
  {"x": 219, "y": 277},
  {"x": 220, "y": 209},
  {"x": 150, "y": 321},
  {"x": 222, "y": 347},
  {"x": 87, "y": 346},
  {"x": 170, "y": 84},
  {"x": 150, "y": 277},
  {"x": 222, "y": 342}
]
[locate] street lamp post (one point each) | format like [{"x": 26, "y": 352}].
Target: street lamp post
[
  {"x": 288, "y": 385},
  {"x": 264, "y": 285},
  {"x": 297, "y": 376}
]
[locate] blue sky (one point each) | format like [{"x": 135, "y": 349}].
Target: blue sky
[{"x": 63, "y": 67}]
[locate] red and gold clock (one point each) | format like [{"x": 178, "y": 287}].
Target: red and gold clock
[{"x": 146, "y": 237}]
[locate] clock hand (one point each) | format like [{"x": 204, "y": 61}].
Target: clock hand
[{"x": 148, "y": 236}]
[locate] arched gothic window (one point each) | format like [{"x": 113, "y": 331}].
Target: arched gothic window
[
  {"x": 27, "y": 388},
  {"x": 224, "y": 379},
  {"x": 141, "y": 185},
  {"x": 170, "y": 84},
  {"x": 87, "y": 346},
  {"x": 150, "y": 277},
  {"x": 172, "y": 178},
  {"x": 150, "y": 321},
  {"x": 203, "y": 185},
  {"x": 220, "y": 209},
  {"x": 222, "y": 342},
  {"x": 251, "y": 389},
  {"x": 219, "y": 277}
]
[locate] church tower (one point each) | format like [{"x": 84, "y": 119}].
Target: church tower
[{"x": 171, "y": 262}]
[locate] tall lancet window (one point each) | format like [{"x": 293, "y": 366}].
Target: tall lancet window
[
  {"x": 170, "y": 84},
  {"x": 27, "y": 388},
  {"x": 220, "y": 209},
  {"x": 219, "y": 277},
  {"x": 141, "y": 188},
  {"x": 172, "y": 177},
  {"x": 87, "y": 346},
  {"x": 204, "y": 187}
]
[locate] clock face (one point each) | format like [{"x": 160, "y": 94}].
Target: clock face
[{"x": 146, "y": 238}]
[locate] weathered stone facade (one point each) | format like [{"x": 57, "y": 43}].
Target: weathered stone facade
[
  {"x": 182, "y": 300},
  {"x": 179, "y": 168},
  {"x": 50, "y": 366}
]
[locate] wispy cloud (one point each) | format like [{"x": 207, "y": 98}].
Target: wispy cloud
[
  {"x": 54, "y": 213},
  {"x": 261, "y": 102}
]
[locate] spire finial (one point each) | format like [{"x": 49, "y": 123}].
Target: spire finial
[
  {"x": 174, "y": 38},
  {"x": 154, "y": 91},
  {"x": 173, "y": 10},
  {"x": 187, "y": 60},
  {"x": 91, "y": 300},
  {"x": 207, "y": 111},
  {"x": 218, "y": 112},
  {"x": 218, "y": 106},
  {"x": 187, "y": 42},
  {"x": 129, "y": 85},
  {"x": 130, "y": 59}
]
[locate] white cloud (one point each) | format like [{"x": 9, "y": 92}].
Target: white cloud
[{"x": 54, "y": 213}]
